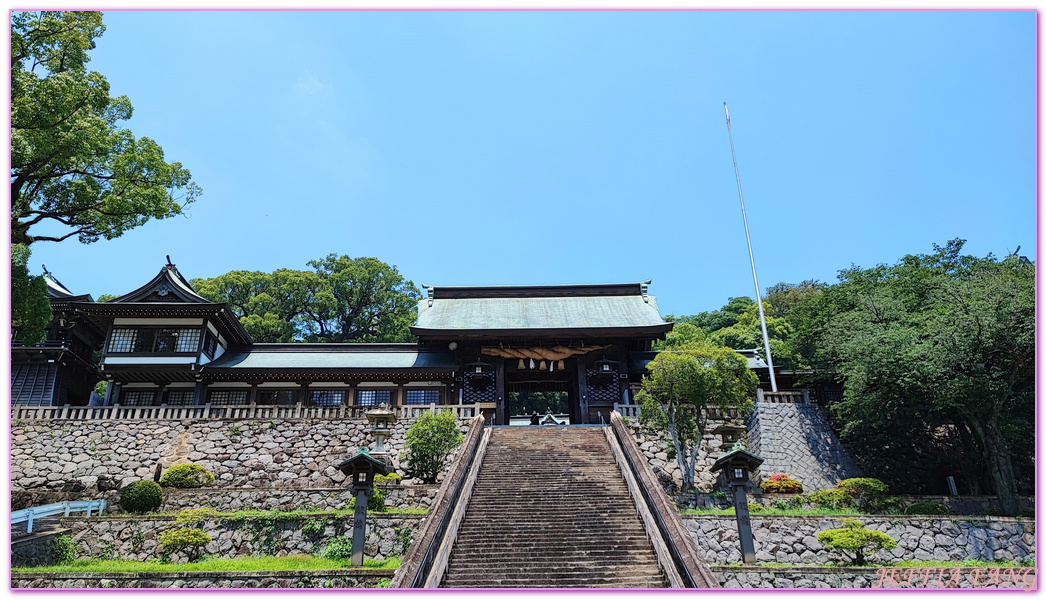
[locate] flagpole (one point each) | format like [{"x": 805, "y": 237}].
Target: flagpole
[{"x": 748, "y": 242}]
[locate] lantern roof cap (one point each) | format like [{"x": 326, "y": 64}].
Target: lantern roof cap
[
  {"x": 736, "y": 453},
  {"x": 363, "y": 457}
]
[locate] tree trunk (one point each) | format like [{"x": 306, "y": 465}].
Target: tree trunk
[{"x": 1001, "y": 472}]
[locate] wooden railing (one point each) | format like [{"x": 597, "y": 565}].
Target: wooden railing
[
  {"x": 794, "y": 397},
  {"x": 215, "y": 412}
]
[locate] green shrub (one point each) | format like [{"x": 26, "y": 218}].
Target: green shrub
[
  {"x": 141, "y": 497},
  {"x": 339, "y": 548},
  {"x": 63, "y": 550},
  {"x": 867, "y": 492},
  {"x": 190, "y": 539},
  {"x": 781, "y": 483},
  {"x": 755, "y": 507},
  {"x": 195, "y": 516},
  {"x": 429, "y": 441},
  {"x": 832, "y": 498},
  {"x": 186, "y": 475},
  {"x": 1028, "y": 512},
  {"x": 392, "y": 478},
  {"x": 854, "y": 537},
  {"x": 376, "y": 503},
  {"x": 927, "y": 508}
]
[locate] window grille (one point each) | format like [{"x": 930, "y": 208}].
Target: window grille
[
  {"x": 149, "y": 340},
  {"x": 373, "y": 397},
  {"x": 328, "y": 397},
  {"x": 121, "y": 340},
  {"x": 227, "y": 397},
  {"x": 179, "y": 397},
  {"x": 276, "y": 396},
  {"x": 422, "y": 397},
  {"x": 137, "y": 397}
]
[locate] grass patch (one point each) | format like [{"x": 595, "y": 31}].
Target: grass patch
[
  {"x": 294, "y": 562},
  {"x": 283, "y": 516}
]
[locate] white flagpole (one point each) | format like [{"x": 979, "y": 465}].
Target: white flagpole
[{"x": 759, "y": 299}]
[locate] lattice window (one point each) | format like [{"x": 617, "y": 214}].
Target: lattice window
[
  {"x": 373, "y": 397},
  {"x": 327, "y": 397},
  {"x": 602, "y": 388},
  {"x": 422, "y": 397},
  {"x": 121, "y": 340},
  {"x": 480, "y": 391},
  {"x": 178, "y": 397},
  {"x": 276, "y": 396},
  {"x": 227, "y": 397},
  {"x": 210, "y": 344},
  {"x": 137, "y": 397}
]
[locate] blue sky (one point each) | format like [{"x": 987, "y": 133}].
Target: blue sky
[{"x": 505, "y": 147}]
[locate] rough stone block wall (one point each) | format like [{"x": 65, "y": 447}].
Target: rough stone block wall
[
  {"x": 793, "y": 539},
  {"x": 796, "y": 439},
  {"x": 33, "y": 551},
  {"x": 341, "y": 578},
  {"x": 95, "y": 456},
  {"x": 934, "y": 578},
  {"x": 668, "y": 470},
  {"x": 137, "y": 538}
]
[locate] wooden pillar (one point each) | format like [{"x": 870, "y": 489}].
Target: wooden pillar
[
  {"x": 303, "y": 392},
  {"x": 399, "y": 399},
  {"x": 252, "y": 396},
  {"x": 200, "y": 392},
  {"x": 501, "y": 405},
  {"x": 351, "y": 393},
  {"x": 623, "y": 375},
  {"x": 162, "y": 387},
  {"x": 114, "y": 393},
  {"x": 583, "y": 391}
]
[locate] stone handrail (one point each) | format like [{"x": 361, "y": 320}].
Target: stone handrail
[
  {"x": 629, "y": 411},
  {"x": 426, "y": 561},
  {"x": 164, "y": 412},
  {"x": 688, "y": 562},
  {"x": 793, "y": 397}
]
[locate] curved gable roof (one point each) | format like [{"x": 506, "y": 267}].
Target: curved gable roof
[{"x": 167, "y": 286}]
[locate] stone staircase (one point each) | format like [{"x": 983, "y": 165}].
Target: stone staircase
[{"x": 550, "y": 509}]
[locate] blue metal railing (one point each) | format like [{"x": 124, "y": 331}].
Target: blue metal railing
[{"x": 28, "y": 515}]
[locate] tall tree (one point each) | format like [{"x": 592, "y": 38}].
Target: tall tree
[
  {"x": 682, "y": 383},
  {"x": 342, "y": 300},
  {"x": 73, "y": 168},
  {"x": 938, "y": 344},
  {"x": 30, "y": 308}
]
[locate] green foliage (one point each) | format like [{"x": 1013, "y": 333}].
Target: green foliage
[
  {"x": 781, "y": 483},
  {"x": 934, "y": 353},
  {"x": 30, "y": 308},
  {"x": 375, "y": 503},
  {"x": 314, "y": 527},
  {"x": 342, "y": 300},
  {"x": 189, "y": 539},
  {"x": 1028, "y": 512},
  {"x": 74, "y": 169},
  {"x": 101, "y": 388},
  {"x": 196, "y": 516},
  {"x": 832, "y": 498},
  {"x": 339, "y": 548},
  {"x": 867, "y": 492},
  {"x": 141, "y": 497},
  {"x": 291, "y": 562},
  {"x": 679, "y": 388},
  {"x": 429, "y": 441},
  {"x": 756, "y": 507},
  {"x": 927, "y": 508},
  {"x": 63, "y": 550},
  {"x": 390, "y": 479},
  {"x": 186, "y": 475},
  {"x": 854, "y": 537}
]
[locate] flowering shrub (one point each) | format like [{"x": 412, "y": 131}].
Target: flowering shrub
[{"x": 781, "y": 484}]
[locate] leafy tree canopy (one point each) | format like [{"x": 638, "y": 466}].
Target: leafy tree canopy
[
  {"x": 681, "y": 384},
  {"x": 341, "y": 300},
  {"x": 74, "y": 170},
  {"x": 428, "y": 443},
  {"x": 937, "y": 346},
  {"x": 30, "y": 308}
]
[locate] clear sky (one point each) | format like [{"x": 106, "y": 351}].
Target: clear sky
[{"x": 472, "y": 148}]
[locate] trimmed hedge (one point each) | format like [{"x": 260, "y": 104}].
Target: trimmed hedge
[
  {"x": 141, "y": 497},
  {"x": 927, "y": 508},
  {"x": 186, "y": 475}
]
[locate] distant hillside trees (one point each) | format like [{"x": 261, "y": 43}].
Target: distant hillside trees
[{"x": 342, "y": 299}]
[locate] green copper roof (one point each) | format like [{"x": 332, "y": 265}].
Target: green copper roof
[
  {"x": 519, "y": 309},
  {"x": 334, "y": 356}
]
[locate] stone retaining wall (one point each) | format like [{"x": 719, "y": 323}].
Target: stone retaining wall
[
  {"x": 877, "y": 578},
  {"x": 334, "y": 578},
  {"x": 96, "y": 456},
  {"x": 136, "y": 538},
  {"x": 35, "y": 550},
  {"x": 793, "y": 539},
  {"x": 668, "y": 470},
  {"x": 958, "y": 505}
]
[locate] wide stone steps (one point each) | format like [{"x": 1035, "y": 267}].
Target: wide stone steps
[{"x": 550, "y": 509}]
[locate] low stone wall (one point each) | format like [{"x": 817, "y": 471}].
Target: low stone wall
[
  {"x": 334, "y": 578},
  {"x": 96, "y": 456},
  {"x": 668, "y": 470},
  {"x": 397, "y": 497},
  {"x": 34, "y": 550},
  {"x": 793, "y": 539},
  {"x": 876, "y": 578},
  {"x": 137, "y": 538},
  {"x": 959, "y": 505}
]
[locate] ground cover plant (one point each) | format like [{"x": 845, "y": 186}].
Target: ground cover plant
[{"x": 293, "y": 562}]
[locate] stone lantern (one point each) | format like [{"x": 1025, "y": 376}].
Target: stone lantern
[
  {"x": 382, "y": 420},
  {"x": 729, "y": 434},
  {"x": 361, "y": 470},
  {"x": 736, "y": 465}
]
